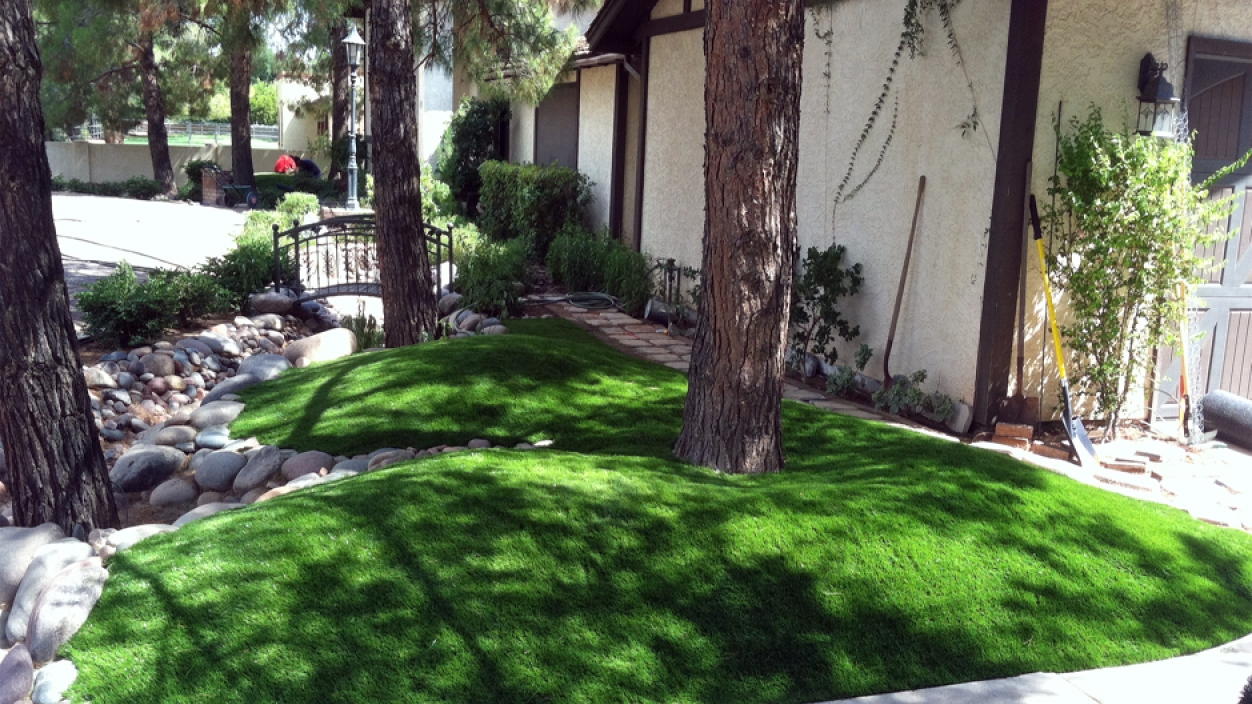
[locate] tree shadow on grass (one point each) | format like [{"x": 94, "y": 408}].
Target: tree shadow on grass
[{"x": 613, "y": 579}]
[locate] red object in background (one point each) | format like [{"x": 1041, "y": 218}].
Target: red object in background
[{"x": 285, "y": 165}]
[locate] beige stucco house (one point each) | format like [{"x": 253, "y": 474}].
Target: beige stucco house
[{"x": 975, "y": 123}]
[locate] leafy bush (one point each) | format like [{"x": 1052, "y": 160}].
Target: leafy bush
[
  {"x": 119, "y": 310},
  {"x": 815, "y": 315},
  {"x": 194, "y": 170},
  {"x": 471, "y": 139},
  {"x": 493, "y": 276},
  {"x": 532, "y": 202},
  {"x": 142, "y": 188},
  {"x": 366, "y": 328},
  {"x": 197, "y": 294},
  {"x": 249, "y": 267},
  {"x": 271, "y": 188},
  {"x": 1127, "y": 225},
  {"x": 586, "y": 262},
  {"x": 294, "y": 206}
]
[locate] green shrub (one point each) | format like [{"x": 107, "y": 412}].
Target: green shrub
[
  {"x": 245, "y": 270},
  {"x": 194, "y": 169},
  {"x": 493, "y": 276},
  {"x": 142, "y": 188},
  {"x": 366, "y": 328},
  {"x": 271, "y": 188},
  {"x": 586, "y": 262},
  {"x": 119, "y": 310},
  {"x": 197, "y": 293},
  {"x": 294, "y": 206},
  {"x": 815, "y": 314},
  {"x": 628, "y": 275},
  {"x": 532, "y": 202},
  {"x": 472, "y": 138}
]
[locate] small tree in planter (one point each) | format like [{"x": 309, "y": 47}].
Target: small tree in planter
[
  {"x": 1127, "y": 225},
  {"x": 815, "y": 314}
]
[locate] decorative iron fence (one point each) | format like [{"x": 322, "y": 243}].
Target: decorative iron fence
[{"x": 339, "y": 257}]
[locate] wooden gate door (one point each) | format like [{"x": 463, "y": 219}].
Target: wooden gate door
[{"x": 1219, "y": 105}]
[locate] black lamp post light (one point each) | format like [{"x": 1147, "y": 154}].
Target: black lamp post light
[
  {"x": 355, "y": 47},
  {"x": 1158, "y": 106}
]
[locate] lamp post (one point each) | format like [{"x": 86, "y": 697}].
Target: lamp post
[
  {"x": 1158, "y": 106},
  {"x": 355, "y": 48}
]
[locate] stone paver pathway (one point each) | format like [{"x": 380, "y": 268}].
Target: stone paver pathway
[{"x": 650, "y": 341}]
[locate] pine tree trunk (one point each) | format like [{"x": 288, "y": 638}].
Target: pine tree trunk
[
  {"x": 340, "y": 107},
  {"x": 732, "y": 421},
  {"x": 154, "y": 110},
  {"x": 408, "y": 298},
  {"x": 241, "y": 116},
  {"x": 56, "y": 469}
]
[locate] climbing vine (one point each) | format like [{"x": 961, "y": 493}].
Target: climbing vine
[{"x": 912, "y": 43}]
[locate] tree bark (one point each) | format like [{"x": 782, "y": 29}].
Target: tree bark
[
  {"x": 56, "y": 469},
  {"x": 408, "y": 298},
  {"x": 340, "y": 107},
  {"x": 732, "y": 420},
  {"x": 241, "y": 115},
  {"x": 154, "y": 110}
]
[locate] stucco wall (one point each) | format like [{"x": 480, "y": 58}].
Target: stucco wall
[
  {"x": 597, "y": 101},
  {"x": 295, "y": 132},
  {"x": 522, "y": 134},
  {"x": 939, "y": 317},
  {"x": 1091, "y": 56},
  {"x": 673, "y": 187},
  {"x": 101, "y": 163}
]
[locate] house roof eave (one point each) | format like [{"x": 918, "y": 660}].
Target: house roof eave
[{"x": 613, "y": 29}]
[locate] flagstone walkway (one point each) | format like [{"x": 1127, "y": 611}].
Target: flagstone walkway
[{"x": 650, "y": 341}]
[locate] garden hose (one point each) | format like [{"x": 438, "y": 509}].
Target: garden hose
[{"x": 588, "y": 300}]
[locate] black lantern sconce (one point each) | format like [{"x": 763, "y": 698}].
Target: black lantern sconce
[{"x": 1158, "y": 106}]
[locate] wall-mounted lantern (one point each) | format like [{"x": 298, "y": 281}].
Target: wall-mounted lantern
[{"x": 1158, "y": 106}]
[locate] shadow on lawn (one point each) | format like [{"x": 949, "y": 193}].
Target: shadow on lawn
[{"x": 493, "y": 584}]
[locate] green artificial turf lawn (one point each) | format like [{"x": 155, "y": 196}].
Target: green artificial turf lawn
[{"x": 603, "y": 570}]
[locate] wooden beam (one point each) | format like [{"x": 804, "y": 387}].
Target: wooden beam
[
  {"x": 669, "y": 25},
  {"x": 1022, "y": 67},
  {"x": 621, "y": 97}
]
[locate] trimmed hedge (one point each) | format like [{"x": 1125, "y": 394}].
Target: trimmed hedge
[
  {"x": 121, "y": 310},
  {"x": 271, "y": 188},
  {"x": 137, "y": 187},
  {"x": 530, "y": 201}
]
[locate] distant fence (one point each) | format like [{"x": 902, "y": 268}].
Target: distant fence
[
  {"x": 94, "y": 162},
  {"x": 215, "y": 130}
]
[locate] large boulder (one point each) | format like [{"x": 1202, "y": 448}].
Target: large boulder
[
  {"x": 158, "y": 364},
  {"x": 204, "y": 511},
  {"x": 63, "y": 607},
  {"x": 18, "y": 547},
  {"x": 217, "y": 471},
  {"x": 97, "y": 378},
  {"x": 174, "y": 435},
  {"x": 263, "y": 463},
  {"x": 304, "y": 463},
  {"x": 17, "y": 675},
  {"x": 129, "y": 537},
  {"x": 220, "y": 344},
  {"x": 191, "y": 343},
  {"x": 145, "y": 466},
  {"x": 265, "y": 366},
  {"x": 53, "y": 681},
  {"x": 48, "y": 562},
  {"x": 173, "y": 492},
  {"x": 269, "y": 302},
  {"x": 233, "y": 385},
  {"x": 323, "y": 347}
]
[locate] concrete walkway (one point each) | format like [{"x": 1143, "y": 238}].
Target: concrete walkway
[{"x": 1212, "y": 677}]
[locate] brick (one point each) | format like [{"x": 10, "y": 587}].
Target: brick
[
  {"x": 1122, "y": 465},
  {"x": 1015, "y": 430},
  {"x": 1014, "y": 442},
  {"x": 1131, "y": 481},
  {"x": 1150, "y": 456},
  {"x": 1056, "y": 453}
]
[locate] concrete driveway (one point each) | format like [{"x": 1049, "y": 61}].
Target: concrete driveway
[{"x": 95, "y": 233}]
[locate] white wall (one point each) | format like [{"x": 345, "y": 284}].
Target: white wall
[
  {"x": 597, "y": 101},
  {"x": 295, "y": 132},
  {"x": 939, "y": 318},
  {"x": 96, "y": 162}
]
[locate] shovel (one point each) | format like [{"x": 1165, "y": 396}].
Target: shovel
[{"x": 1078, "y": 438}]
